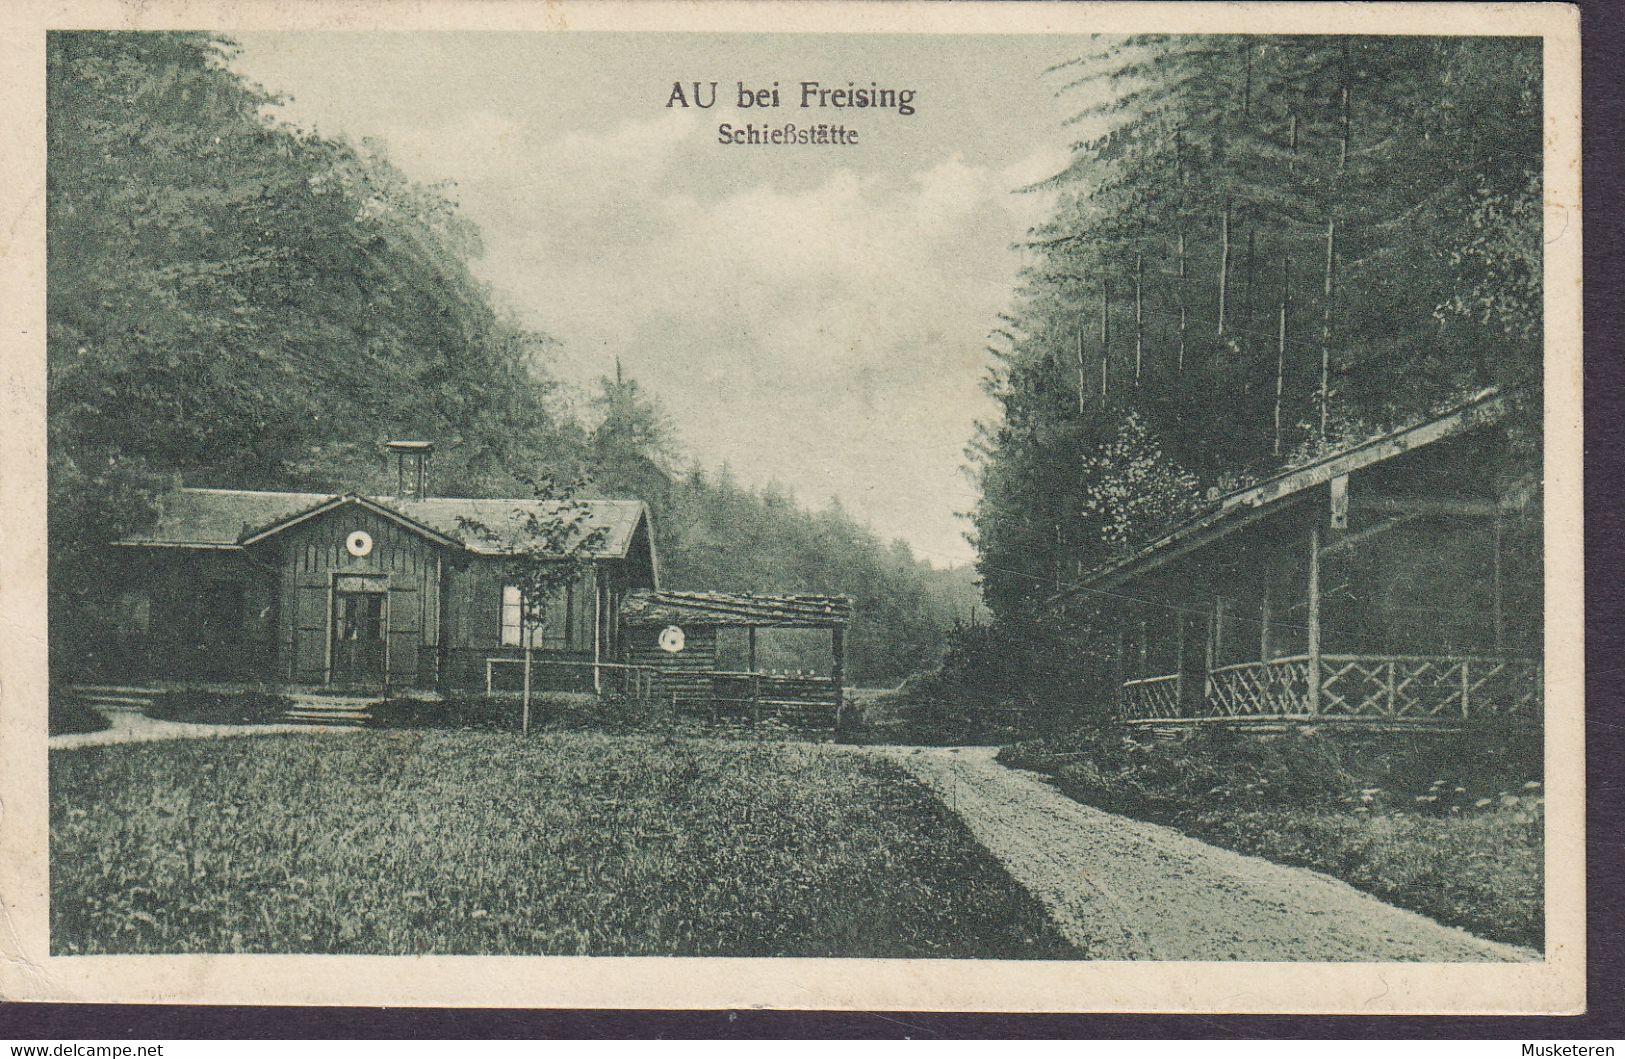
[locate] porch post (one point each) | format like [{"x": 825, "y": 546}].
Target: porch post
[
  {"x": 597, "y": 634},
  {"x": 1496, "y": 586},
  {"x": 755, "y": 681},
  {"x": 837, "y": 643},
  {"x": 1314, "y": 616},
  {"x": 1179, "y": 661},
  {"x": 1210, "y": 656},
  {"x": 1265, "y": 615},
  {"x": 1117, "y": 669},
  {"x": 1212, "y": 635}
]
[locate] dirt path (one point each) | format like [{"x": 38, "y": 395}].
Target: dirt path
[
  {"x": 1122, "y": 889},
  {"x": 128, "y": 726}
]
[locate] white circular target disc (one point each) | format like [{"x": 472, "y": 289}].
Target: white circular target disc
[
  {"x": 359, "y": 544},
  {"x": 671, "y": 639}
]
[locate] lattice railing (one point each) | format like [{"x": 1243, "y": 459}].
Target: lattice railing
[
  {"x": 1421, "y": 689},
  {"x": 1149, "y": 698},
  {"x": 1428, "y": 688},
  {"x": 1277, "y": 688}
]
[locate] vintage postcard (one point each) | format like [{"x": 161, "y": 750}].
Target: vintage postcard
[{"x": 1013, "y": 507}]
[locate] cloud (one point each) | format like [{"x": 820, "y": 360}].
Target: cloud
[
  {"x": 828, "y": 337},
  {"x": 814, "y": 325},
  {"x": 814, "y": 315}
]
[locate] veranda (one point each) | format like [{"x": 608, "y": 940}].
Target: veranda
[{"x": 1395, "y": 583}]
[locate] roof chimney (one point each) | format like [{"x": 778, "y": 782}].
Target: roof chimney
[{"x": 411, "y": 467}]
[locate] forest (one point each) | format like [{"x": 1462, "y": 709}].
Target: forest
[
  {"x": 237, "y": 302},
  {"x": 1262, "y": 249}
]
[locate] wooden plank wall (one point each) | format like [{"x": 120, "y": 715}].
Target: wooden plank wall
[
  {"x": 313, "y": 552},
  {"x": 473, "y": 601},
  {"x": 174, "y": 582}
]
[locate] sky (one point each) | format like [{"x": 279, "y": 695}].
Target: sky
[{"x": 813, "y": 316}]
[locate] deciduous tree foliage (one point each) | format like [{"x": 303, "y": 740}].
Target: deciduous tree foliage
[
  {"x": 715, "y": 535},
  {"x": 236, "y": 302},
  {"x": 1261, "y": 249}
]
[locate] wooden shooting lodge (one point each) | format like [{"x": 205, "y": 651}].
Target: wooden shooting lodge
[
  {"x": 373, "y": 595},
  {"x": 1396, "y": 583}
]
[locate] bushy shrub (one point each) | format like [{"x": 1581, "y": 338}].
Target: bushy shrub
[
  {"x": 1447, "y": 824},
  {"x": 562, "y": 711},
  {"x": 197, "y": 706},
  {"x": 67, "y": 714},
  {"x": 484, "y": 713},
  {"x": 996, "y": 684},
  {"x": 1417, "y": 772},
  {"x": 610, "y": 712}
]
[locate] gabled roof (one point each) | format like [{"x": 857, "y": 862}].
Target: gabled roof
[
  {"x": 1247, "y": 505},
  {"x": 347, "y": 500},
  {"x": 737, "y": 609},
  {"x": 232, "y": 519}
]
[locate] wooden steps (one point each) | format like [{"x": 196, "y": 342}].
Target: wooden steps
[
  {"x": 331, "y": 711},
  {"x": 115, "y": 697}
]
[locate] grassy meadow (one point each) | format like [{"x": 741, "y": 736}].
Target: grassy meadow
[{"x": 484, "y": 843}]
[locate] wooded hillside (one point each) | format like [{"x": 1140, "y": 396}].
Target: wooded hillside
[
  {"x": 1264, "y": 248},
  {"x": 236, "y": 302}
]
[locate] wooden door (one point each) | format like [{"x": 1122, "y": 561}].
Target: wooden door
[{"x": 360, "y": 630}]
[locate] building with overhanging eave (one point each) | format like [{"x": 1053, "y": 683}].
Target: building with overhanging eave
[
  {"x": 311, "y": 589},
  {"x": 365, "y": 595},
  {"x": 1397, "y": 582}
]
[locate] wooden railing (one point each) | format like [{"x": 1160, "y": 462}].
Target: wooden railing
[
  {"x": 1428, "y": 688},
  {"x": 1395, "y": 689},
  {"x": 1147, "y": 698},
  {"x": 1259, "y": 690},
  {"x": 793, "y": 698},
  {"x": 636, "y": 681}
]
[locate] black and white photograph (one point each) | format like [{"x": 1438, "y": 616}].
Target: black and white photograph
[{"x": 1048, "y": 496}]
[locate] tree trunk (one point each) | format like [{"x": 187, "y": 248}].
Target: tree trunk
[
  {"x": 1343, "y": 138},
  {"x": 1329, "y": 290},
  {"x": 1105, "y": 336},
  {"x": 1179, "y": 186},
  {"x": 1180, "y": 363},
  {"x": 1325, "y": 395},
  {"x": 1280, "y": 349},
  {"x": 1224, "y": 260},
  {"x": 1138, "y": 315},
  {"x": 524, "y": 715},
  {"x": 1081, "y": 373}
]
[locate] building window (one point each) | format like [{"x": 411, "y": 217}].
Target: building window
[
  {"x": 551, "y": 628},
  {"x": 513, "y": 617}
]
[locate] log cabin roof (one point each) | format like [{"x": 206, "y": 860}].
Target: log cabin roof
[
  {"x": 736, "y": 609},
  {"x": 230, "y": 519},
  {"x": 1246, "y": 505}
]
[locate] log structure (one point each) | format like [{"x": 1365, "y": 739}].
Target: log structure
[{"x": 689, "y": 676}]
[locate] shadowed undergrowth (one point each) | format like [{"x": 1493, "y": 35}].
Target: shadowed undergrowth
[{"x": 1447, "y": 825}]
